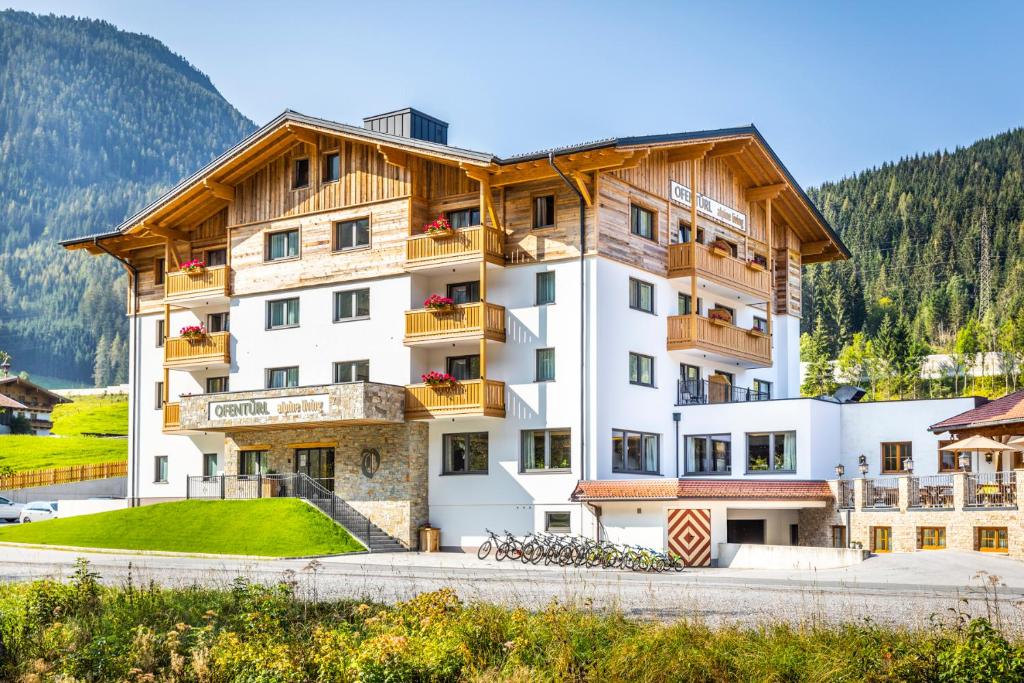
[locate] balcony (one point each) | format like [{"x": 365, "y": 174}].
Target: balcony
[
  {"x": 726, "y": 273},
  {"x": 720, "y": 340},
  {"x": 213, "y": 349},
  {"x": 172, "y": 417},
  {"x": 463, "y": 245},
  {"x": 690, "y": 392},
  {"x": 204, "y": 287},
  {"x": 465, "y": 322},
  {"x": 474, "y": 397}
]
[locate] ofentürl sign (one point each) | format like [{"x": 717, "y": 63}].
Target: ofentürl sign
[
  {"x": 280, "y": 406},
  {"x": 681, "y": 194}
]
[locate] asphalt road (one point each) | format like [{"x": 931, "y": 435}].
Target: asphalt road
[{"x": 909, "y": 589}]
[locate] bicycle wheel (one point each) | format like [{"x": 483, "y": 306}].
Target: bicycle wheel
[
  {"x": 484, "y": 550},
  {"x": 502, "y": 552}
]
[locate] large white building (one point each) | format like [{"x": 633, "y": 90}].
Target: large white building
[{"x": 644, "y": 383}]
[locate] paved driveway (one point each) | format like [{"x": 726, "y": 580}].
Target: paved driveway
[{"x": 904, "y": 589}]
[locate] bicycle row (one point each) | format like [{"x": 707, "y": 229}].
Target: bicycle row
[{"x": 576, "y": 551}]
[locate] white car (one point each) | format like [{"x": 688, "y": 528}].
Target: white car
[
  {"x": 37, "y": 511},
  {"x": 9, "y": 510}
]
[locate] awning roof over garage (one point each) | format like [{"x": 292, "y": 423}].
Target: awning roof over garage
[{"x": 674, "y": 489}]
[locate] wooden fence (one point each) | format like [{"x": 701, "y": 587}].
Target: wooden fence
[{"x": 63, "y": 475}]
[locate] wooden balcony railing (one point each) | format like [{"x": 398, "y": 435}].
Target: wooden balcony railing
[
  {"x": 172, "y": 416},
  {"x": 207, "y": 282},
  {"x": 213, "y": 349},
  {"x": 723, "y": 339},
  {"x": 469, "y": 397},
  {"x": 466, "y": 244},
  {"x": 470, "y": 321},
  {"x": 728, "y": 271}
]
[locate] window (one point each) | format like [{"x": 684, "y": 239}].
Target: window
[
  {"x": 209, "y": 464},
  {"x": 991, "y": 539},
  {"x": 160, "y": 332},
  {"x": 685, "y": 304},
  {"x": 948, "y": 459},
  {"x": 352, "y": 234},
  {"x": 931, "y": 538},
  {"x": 772, "y": 452},
  {"x": 331, "y": 167},
  {"x": 216, "y": 257},
  {"x": 893, "y": 456},
  {"x": 545, "y": 450},
  {"x": 464, "y": 218},
  {"x": 641, "y": 369},
  {"x": 216, "y": 385},
  {"x": 159, "y": 270},
  {"x": 545, "y": 365},
  {"x": 282, "y": 313},
  {"x": 557, "y": 522},
  {"x": 545, "y": 288},
  {"x": 641, "y": 221},
  {"x": 709, "y": 454},
  {"x": 160, "y": 469},
  {"x": 352, "y": 304},
  {"x": 641, "y": 295},
  {"x": 881, "y": 539},
  {"x": 158, "y": 399},
  {"x": 251, "y": 463},
  {"x": 635, "y": 452},
  {"x": 300, "y": 174},
  {"x": 838, "y": 536},
  {"x": 685, "y": 234},
  {"x": 282, "y": 378},
  {"x": 352, "y": 371},
  {"x": 544, "y": 211},
  {"x": 464, "y": 292},
  {"x": 465, "y": 453},
  {"x": 282, "y": 245},
  {"x": 762, "y": 390},
  {"x": 690, "y": 384},
  {"x": 217, "y": 322},
  {"x": 463, "y": 367},
  {"x": 761, "y": 324}
]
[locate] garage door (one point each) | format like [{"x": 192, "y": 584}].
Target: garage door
[{"x": 689, "y": 536}]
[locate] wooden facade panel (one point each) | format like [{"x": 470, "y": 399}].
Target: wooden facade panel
[
  {"x": 523, "y": 243},
  {"x": 614, "y": 237}
]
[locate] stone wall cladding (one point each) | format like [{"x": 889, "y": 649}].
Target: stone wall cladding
[{"x": 395, "y": 498}]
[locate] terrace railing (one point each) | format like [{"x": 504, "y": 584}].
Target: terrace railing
[
  {"x": 845, "y": 491},
  {"x": 931, "y": 492},
  {"x": 691, "y": 391},
  {"x": 991, "y": 489},
  {"x": 881, "y": 493}
]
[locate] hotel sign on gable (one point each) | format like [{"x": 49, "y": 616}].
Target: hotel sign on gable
[
  {"x": 278, "y": 406},
  {"x": 709, "y": 207}
]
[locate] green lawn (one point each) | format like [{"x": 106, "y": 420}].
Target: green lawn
[
  {"x": 92, "y": 415},
  {"x": 44, "y": 452},
  {"x": 274, "y": 527}
]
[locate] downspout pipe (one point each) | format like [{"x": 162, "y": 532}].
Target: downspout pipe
[
  {"x": 133, "y": 455},
  {"x": 583, "y": 313}
]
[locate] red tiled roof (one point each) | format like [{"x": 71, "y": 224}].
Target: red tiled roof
[
  {"x": 8, "y": 402},
  {"x": 672, "y": 489},
  {"x": 1005, "y": 410}
]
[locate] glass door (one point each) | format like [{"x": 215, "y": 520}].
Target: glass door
[{"x": 316, "y": 463}]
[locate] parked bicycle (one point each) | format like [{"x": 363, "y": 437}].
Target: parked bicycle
[{"x": 577, "y": 551}]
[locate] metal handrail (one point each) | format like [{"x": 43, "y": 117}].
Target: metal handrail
[
  {"x": 846, "y": 495},
  {"x": 931, "y": 492},
  {"x": 690, "y": 391},
  {"x": 881, "y": 493},
  {"x": 991, "y": 489}
]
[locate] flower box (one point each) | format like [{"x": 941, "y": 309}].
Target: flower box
[
  {"x": 720, "y": 247},
  {"x": 755, "y": 332},
  {"x": 756, "y": 265},
  {"x": 719, "y": 316},
  {"x": 194, "y": 266},
  {"x": 193, "y": 333},
  {"x": 439, "y": 304},
  {"x": 439, "y": 227},
  {"x": 438, "y": 380}
]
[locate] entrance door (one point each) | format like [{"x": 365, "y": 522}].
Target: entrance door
[
  {"x": 689, "y": 536},
  {"x": 317, "y": 463},
  {"x": 719, "y": 388},
  {"x": 745, "y": 531},
  {"x": 881, "y": 539}
]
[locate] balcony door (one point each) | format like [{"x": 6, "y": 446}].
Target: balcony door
[
  {"x": 464, "y": 292},
  {"x": 719, "y": 387},
  {"x": 464, "y": 368},
  {"x": 316, "y": 463}
]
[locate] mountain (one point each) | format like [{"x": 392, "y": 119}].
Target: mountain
[
  {"x": 936, "y": 242},
  {"x": 95, "y": 122}
]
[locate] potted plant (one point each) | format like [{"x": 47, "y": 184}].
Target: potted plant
[
  {"x": 757, "y": 331},
  {"x": 193, "y": 266},
  {"x": 439, "y": 304},
  {"x": 757, "y": 262},
  {"x": 720, "y": 316},
  {"x": 719, "y": 247},
  {"x": 439, "y": 227},
  {"x": 193, "y": 333},
  {"x": 271, "y": 484},
  {"x": 438, "y": 380}
]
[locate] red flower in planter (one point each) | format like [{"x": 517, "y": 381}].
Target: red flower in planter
[
  {"x": 193, "y": 332},
  {"x": 438, "y": 227},
  {"x": 438, "y": 379},
  {"x": 193, "y": 266},
  {"x": 437, "y": 302}
]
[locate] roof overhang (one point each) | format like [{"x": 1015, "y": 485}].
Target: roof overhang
[{"x": 614, "y": 490}]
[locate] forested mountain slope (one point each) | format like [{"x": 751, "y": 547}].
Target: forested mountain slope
[{"x": 94, "y": 123}]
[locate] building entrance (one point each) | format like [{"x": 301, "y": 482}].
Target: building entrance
[{"x": 317, "y": 463}]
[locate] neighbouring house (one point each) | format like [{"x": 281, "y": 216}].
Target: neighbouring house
[
  {"x": 8, "y": 406},
  {"x": 22, "y": 398}
]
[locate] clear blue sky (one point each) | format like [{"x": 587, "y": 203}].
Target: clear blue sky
[{"x": 834, "y": 87}]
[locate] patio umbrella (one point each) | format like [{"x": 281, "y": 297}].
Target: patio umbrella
[
  {"x": 982, "y": 444},
  {"x": 1017, "y": 441}
]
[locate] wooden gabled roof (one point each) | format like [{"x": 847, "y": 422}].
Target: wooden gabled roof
[{"x": 31, "y": 386}]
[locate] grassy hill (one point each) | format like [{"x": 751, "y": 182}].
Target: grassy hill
[{"x": 92, "y": 415}]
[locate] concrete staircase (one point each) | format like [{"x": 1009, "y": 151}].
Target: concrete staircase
[{"x": 369, "y": 534}]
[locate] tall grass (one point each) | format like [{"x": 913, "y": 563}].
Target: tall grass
[{"x": 83, "y": 631}]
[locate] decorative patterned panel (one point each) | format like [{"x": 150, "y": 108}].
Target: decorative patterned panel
[{"x": 689, "y": 536}]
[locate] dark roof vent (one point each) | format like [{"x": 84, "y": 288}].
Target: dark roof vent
[
  {"x": 848, "y": 394},
  {"x": 409, "y": 123}
]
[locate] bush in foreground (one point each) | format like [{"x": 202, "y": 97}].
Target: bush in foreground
[{"x": 82, "y": 631}]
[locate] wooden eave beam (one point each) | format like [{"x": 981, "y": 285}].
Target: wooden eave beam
[
  {"x": 583, "y": 183},
  {"x": 729, "y": 148},
  {"x": 818, "y": 247},
  {"x": 757, "y": 194},
  {"x": 219, "y": 190},
  {"x": 690, "y": 152},
  {"x": 395, "y": 157},
  {"x": 169, "y": 233},
  {"x": 540, "y": 169},
  {"x": 259, "y": 159},
  {"x": 303, "y": 134}
]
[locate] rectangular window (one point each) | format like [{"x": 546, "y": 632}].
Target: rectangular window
[
  {"x": 158, "y": 398},
  {"x": 352, "y": 371},
  {"x": 641, "y": 295},
  {"x": 352, "y": 234},
  {"x": 641, "y": 369},
  {"x": 331, "y": 167},
  {"x": 948, "y": 459},
  {"x": 217, "y": 322},
  {"x": 282, "y": 378},
  {"x": 761, "y": 324},
  {"x": 464, "y": 292},
  {"x": 991, "y": 539},
  {"x": 545, "y": 288},
  {"x": 209, "y": 464},
  {"x": 159, "y": 270},
  {"x": 685, "y": 234},
  {"x": 636, "y": 452},
  {"x": 762, "y": 390},
  {"x": 709, "y": 454},
  {"x": 881, "y": 539},
  {"x": 557, "y": 522},
  {"x": 282, "y": 313},
  {"x": 216, "y": 257},
  {"x": 160, "y": 333},
  {"x": 463, "y": 368},
  {"x": 838, "y": 536},
  {"x": 282, "y": 245},
  {"x": 771, "y": 452},
  {"x": 464, "y": 218},
  {"x": 641, "y": 221},
  {"x": 894, "y": 454},
  {"x": 352, "y": 304},
  {"x": 216, "y": 385},
  {"x": 931, "y": 538},
  {"x": 160, "y": 469},
  {"x": 545, "y": 365},
  {"x": 685, "y": 306},
  {"x": 544, "y": 211},
  {"x": 251, "y": 463},
  {"x": 300, "y": 173},
  {"x": 545, "y": 450},
  {"x": 465, "y": 453}
]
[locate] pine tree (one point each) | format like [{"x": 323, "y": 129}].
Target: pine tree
[
  {"x": 819, "y": 376},
  {"x": 101, "y": 368}
]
